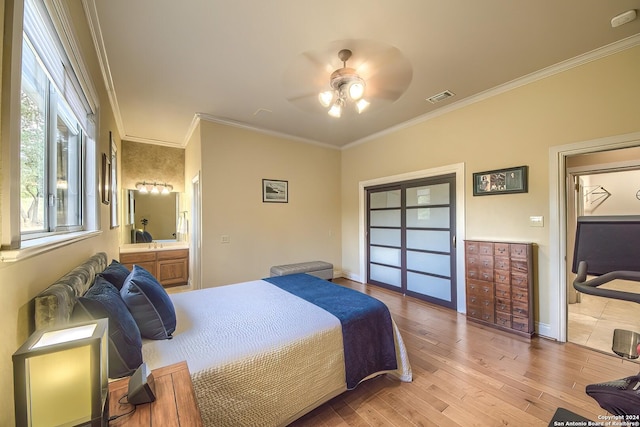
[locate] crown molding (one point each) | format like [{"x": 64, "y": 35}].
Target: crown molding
[
  {"x": 133, "y": 138},
  {"x": 240, "y": 125},
  {"x": 594, "y": 55},
  {"x": 98, "y": 42},
  {"x": 96, "y": 34}
]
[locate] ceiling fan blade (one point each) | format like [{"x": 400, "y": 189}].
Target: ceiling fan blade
[
  {"x": 383, "y": 93},
  {"x": 317, "y": 62},
  {"x": 304, "y": 97},
  {"x": 368, "y": 62}
]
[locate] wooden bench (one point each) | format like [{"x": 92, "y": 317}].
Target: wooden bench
[{"x": 321, "y": 269}]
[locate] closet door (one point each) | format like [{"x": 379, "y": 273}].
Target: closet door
[
  {"x": 385, "y": 237},
  {"x": 429, "y": 248},
  {"x": 411, "y": 238}
]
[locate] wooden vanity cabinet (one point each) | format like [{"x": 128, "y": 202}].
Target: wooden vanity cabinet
[
  {"x": 170, "y": 267},
  {"x": 499, "y": 284}
]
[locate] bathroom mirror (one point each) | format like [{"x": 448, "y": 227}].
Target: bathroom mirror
[{"x": 151, "y": 216}]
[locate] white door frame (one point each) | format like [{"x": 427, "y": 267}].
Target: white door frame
[
  {"x": 557, "y": 327},
  {"x": 458, "y": 170},
  {"x": 196, "y": 233}
]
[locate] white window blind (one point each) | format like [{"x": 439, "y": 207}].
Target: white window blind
[{"x": 42, "y": 36}]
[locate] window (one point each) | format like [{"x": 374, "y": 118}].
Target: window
[
  {"x": 48, "y": 123},
  {"x": 50, "y": 155}
]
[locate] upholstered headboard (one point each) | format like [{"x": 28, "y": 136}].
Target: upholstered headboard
[{"x": 54, "y": 305}]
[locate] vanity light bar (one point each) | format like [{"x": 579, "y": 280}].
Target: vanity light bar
[{"x": 154, "y": 188}]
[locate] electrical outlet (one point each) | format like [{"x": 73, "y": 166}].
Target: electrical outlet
[{"x": 225, "y": 238}]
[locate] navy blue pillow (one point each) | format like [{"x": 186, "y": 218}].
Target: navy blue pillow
[
  {"x": 125, "y": 343},
  {"x": 116, "y": 274},
  {"x": 149, "y": 304}
]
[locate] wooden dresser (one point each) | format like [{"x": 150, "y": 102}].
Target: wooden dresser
[
  {"x": 175, "y": 403},
  {"x": 499, "y": 283},
  {"x": 170, "y": 267}
]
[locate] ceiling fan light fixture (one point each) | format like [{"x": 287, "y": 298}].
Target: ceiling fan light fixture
[
  {"x": 362, "y": 104},
  {"x": 356, "y": 89},
  {"x": 336, "y": 109},
  {"x": 325, "y": 98},
  {"x": 347, "y": 85}
]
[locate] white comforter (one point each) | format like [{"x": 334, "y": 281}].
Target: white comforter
[{"x": 258, "y": 355}]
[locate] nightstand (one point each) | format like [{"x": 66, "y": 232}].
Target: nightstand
[{"x": 175, "y": 403}]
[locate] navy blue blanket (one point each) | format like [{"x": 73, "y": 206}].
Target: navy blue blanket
[{"x": 367, "y": 331}]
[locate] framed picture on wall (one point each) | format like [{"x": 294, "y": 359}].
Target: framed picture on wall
[
  {"x": 106, "y": 179},
  {"x": 500, "y": 181},
  {"x": 114, "y": 183},
  {"x": 275, "y": 191}
]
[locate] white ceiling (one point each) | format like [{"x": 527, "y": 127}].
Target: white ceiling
[{"x": 260, "y": 64}]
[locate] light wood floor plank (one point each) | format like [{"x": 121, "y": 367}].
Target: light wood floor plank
[{"x": 467, "y": 374}]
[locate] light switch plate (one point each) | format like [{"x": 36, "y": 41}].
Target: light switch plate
[
  {"x": 536, "y": 221},
  {"x": 225, "y": 238}
]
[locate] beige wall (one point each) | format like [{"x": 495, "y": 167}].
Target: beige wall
[
  {"x": 265, "y": 234},
  {"x": 152, "y": 163},
  {"x": 22, "y": 280},
  {"x": 515, "y": 128}
]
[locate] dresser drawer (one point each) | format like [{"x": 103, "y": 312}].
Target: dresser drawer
[
  {"x": 520, "y": 324},
  {"x": 519, "y": 250},
  {"x": 520, "y": 266},
  {"x": 486, "y": 261},
  {"x": 173, "y": 254},
  {"x": 503, "y": 319},
  {"x": 520, "y": 309},
  {"x": 519, "y": 280},
  {"x": 502, "y": 263},
  {"x": 137, "y": 257},
  {"x": 486, "y": 274},
  {"x": 485, "y": 248},
  {"x": 503, "y": 305},
  {"x": 503, "y": 291},
  {"x": 488, "y": 316},
  {"x": 473, "y": 273},
  {"x": 502, "y": 276},
  {"x": 501, "y": 249},
  {"x": 520, "y": 295}
]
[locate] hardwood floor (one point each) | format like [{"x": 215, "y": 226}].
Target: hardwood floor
[{"x": 465, "y": 374}]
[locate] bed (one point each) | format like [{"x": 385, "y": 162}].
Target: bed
[{"x": 262, "y": 352}]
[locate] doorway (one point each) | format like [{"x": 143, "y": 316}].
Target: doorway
[
  {"x": 196, "y": 234},
  {"x": 603, "y": 185}
]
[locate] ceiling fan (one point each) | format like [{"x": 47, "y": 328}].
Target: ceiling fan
[
  {"x": 377, "y": 75},
  {"x": 347, "y": 86}
]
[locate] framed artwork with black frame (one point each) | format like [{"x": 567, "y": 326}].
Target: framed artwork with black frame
[
  {"x": 501, "y": 181},
  {"x": 275, "y": 191},
  {"x": 113, "y": 183},
  {"x": 106, "y": 179}
]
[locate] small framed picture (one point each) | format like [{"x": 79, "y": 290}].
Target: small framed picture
[
  {"x": 500, "y": 181},
  {"x": 106, "y": 179},
  {"x": 275, "y": 191}
]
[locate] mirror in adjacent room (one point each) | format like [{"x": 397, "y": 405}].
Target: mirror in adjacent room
[{"x": 151, "y": 217}]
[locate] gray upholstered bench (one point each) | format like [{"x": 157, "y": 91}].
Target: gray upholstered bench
[{"x": 321, "y": 269}]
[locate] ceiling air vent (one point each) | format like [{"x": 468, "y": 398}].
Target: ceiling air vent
[{"x": 440, "y": 96}]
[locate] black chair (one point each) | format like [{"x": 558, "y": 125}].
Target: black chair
[{"x": 142, "y": 237}]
